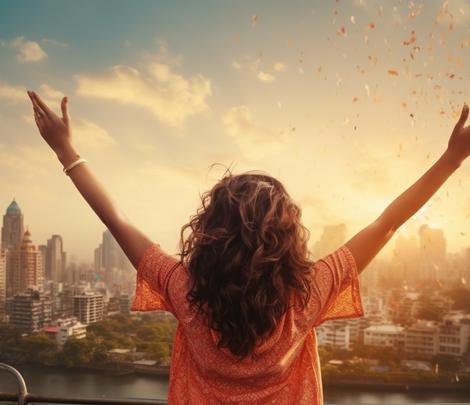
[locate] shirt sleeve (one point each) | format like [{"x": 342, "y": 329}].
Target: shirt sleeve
[
  {"x": 155, "y": 279},
  {"x": 335, "y": 288}
]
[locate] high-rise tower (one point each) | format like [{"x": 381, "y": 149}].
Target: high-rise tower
[
  {"x": 13, "y": 228},
  {"x": 26, "y": 267},
  {"x": 55, "y": 259}
]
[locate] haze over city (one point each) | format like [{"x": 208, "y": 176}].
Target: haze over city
[{"x": 346, "y": 102}]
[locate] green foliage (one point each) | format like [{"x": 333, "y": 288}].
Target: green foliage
[
  {"x": 152, "y": 333},
  {"x": 10, "y": 339},
  {"x": 39, "y": 348},
  {"x": 77, "y": 352}
]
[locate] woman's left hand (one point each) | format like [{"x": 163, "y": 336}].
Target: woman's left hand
[{"x": 55, "y": 130}]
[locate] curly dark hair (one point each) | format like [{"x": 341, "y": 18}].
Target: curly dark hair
[{"x": 247, "y": 256}]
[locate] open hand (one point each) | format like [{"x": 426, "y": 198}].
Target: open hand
[
  {"x": 55, "y": 130},
  {"x": 459, "y": 142}
]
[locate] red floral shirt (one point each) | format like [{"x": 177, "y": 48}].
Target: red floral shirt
[{"x": 287, "y": 369}]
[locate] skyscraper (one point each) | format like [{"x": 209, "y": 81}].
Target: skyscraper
[
  {"x": 13, "y": 228},
  {"x": 332, "y": 238},
  {"x": 3, "y": 275},
  {"x": 110, "y": 257},
  {"x": 433, "y": 252},
  {"x": 406, "y": 258},
  {"x": 26, "y": 267},
  {"x": 55, "y": 259}
]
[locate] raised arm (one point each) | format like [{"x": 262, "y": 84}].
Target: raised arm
[
  {"x": 56, "y": 131},
  {"x": 368, "y": 242}
]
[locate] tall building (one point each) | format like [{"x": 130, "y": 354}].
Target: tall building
[
  {"x": 110, "y": 257},
  {"x": 332, "y": 238},
  {"x": 55, "y": 259},
  {"x": 42, "y": 250},
  {"x": 433, "y": 253},
  {"x": 30, "y": 311},
  {"x": 26, "y": 267},
  {"x": 12, "y": 234},
  {"x": 88, "y": 307},
  {"x": 98, "y": 258},
  {"x": 13, "y": 228},
  {"x": 3, "y": 275},
  {"x": 406, "y": 258}
]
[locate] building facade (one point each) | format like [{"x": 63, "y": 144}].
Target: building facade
[
  {"x": 30, "y": 311},
  {"x": 88, "y": 307},
  {"x": 25, "y": 267}
]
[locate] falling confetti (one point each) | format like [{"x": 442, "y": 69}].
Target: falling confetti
[
  {"x": 353, "y": 20},
  {"x": 392, "y": 72},
  {"x": 412, "y": 39},
  {"x": 254, "y": 20}
]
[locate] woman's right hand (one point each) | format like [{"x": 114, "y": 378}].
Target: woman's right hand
[{"x": 459, "y": 142}]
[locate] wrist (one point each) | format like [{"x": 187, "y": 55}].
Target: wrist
[
  {"x": 67, "y": 155},
  {"x": 452, "y": 158}
]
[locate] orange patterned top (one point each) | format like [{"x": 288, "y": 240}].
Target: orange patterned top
[{"x": 287, "y": 369}]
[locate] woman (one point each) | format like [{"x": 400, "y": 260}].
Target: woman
[{"x": 244, "y": 291}]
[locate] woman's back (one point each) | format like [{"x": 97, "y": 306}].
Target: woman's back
[{"x": 284, "y": 368}]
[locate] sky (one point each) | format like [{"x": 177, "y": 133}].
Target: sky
[{"x": 348, "y": 103}]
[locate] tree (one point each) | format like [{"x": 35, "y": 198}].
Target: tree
[
  {"x": 38, "y": 347},
  {"x": 77, "y": 352}
]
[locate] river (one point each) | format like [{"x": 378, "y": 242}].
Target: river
[{"x": 83, "y": 383}]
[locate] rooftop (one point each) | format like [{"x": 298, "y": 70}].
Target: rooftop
[
  {"x": 13, "y": 208},
  {"x": 385, "y": 328}
]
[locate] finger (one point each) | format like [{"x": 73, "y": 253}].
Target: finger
[
  {"x": 463, "y": 117},
  {"x": 39, "y": 124},
  {"x": 36, "y": 106},
  {"x": 65, "y": 110},
  {"x": 42, "y": 104}
]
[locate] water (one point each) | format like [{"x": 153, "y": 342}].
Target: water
[{"x": 84, "y": 383}]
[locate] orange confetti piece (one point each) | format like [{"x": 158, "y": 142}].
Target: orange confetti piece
[
  {"x": 254, "y": 20},
  {"x": 371, "y": 25},
  {"x": 412, "y": 39},
  {"x": 392, "y": 72}
]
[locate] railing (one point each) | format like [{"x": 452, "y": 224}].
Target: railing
[{"x": 22, "y": 397}]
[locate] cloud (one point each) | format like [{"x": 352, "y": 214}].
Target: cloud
[
  {"x": 49, "y": 94},
  {"x": 24, "y": 160},
  {"x": 279, "y": 67},
  {"x": 265, "y": 77},
  {"x": 251, "y": 64},
  {"x": 254, "y": 140},
  {"x": 12, "y": 94},
  {"x": 50, "y": 41},
  {"x": 169, "y": 96},
  {"x": 28, "y": 51},
  {"x": 86, "y": 134},
  {"x": 17, "y": 94},
  {"x": 89, "y": 135}
]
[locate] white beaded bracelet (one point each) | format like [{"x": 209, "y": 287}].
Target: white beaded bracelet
[{"x": 72, "y": 165}]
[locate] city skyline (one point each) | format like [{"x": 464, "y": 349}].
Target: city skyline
[
  {"x": 109, "y": 255},
  {"x": 356, "y": 97}
]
